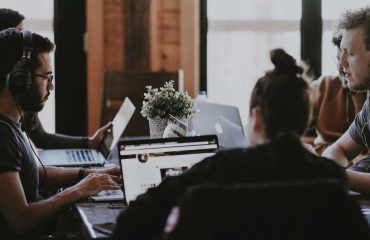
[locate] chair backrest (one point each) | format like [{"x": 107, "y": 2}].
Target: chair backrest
[
  {"x": 299, "y": 210},
  {"x": 119, "y": 85}
]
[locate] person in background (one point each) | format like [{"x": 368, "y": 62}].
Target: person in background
[
  {"x": 10, "y": 19},
  {"x": 336, "y": 105},
  {"x": 42, "y": 139},
  {"x": 355, "y": 62},
  {"x": 280, "y": 111},
  {"x": 23, "y": 213}
]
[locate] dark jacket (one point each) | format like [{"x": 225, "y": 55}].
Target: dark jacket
[{"x": 282, "y": 159}]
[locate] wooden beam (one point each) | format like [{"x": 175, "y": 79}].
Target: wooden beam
[
  {"x": 137, "y": 35},
  {"x": 155, "y": 54},
  {"x": 95, "y": 61},
  {"x": 190, "y": 43}
]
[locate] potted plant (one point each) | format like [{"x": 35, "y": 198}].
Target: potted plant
[{"x": 159, "y": 103}]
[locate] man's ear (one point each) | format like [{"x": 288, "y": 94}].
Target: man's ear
[{"x": 258, "y": 125}]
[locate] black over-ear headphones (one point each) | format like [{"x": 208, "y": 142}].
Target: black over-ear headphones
[{"x": 20, "y": 77}]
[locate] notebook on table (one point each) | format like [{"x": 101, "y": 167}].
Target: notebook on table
[
  {"x": 146, "y": 162},
  {"x": 91, "y": 157},
  {"x": 222, "y": 120}
]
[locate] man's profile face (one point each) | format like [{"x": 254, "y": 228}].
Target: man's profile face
[
  {"x": 355, "y": 59},
  {"x": 34, "y": 100}
]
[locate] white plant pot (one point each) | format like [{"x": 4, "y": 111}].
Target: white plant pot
[{"x": 157, "y": 126}]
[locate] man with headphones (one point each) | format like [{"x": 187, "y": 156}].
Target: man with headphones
[
  {"x": 25, "y": 84},
  {"x": 42, "y": 139}
]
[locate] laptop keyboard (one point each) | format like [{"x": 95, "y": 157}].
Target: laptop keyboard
[
  {"x": 80, "y": 155},
  {"x": 109, "y": 193}
]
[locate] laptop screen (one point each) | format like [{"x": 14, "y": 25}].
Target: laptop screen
[
  {"x": 119, "y": 122},
  {"x": 145, "y": 163}
]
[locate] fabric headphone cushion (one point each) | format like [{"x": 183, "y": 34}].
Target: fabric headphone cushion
[{"x": 20, "y": 79}]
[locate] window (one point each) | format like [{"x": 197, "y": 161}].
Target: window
[
  {"x": 240, "y": 35},
  {"x": 242, "y": 32},
  {"x": 40, "y": 20}
]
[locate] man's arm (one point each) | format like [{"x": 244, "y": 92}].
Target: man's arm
[
  {"x": 45, "y": 140},
  {"x": 343, "y": 150},
  {"x": 21, "y": 216},
  {"x": 359, "y": 181},
  {"x": 61, "y": 177}
]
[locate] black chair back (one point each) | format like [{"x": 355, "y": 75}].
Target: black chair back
[{"x": 318, "y": 209}]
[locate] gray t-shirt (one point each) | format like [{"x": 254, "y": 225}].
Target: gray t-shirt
[
  {"x": 359, "y": 130},
  {"x": 16, "y": 155}
]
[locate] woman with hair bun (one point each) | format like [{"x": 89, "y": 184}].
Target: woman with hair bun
[{"x": 279, "y": 114}]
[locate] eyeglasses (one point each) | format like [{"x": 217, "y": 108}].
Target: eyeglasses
[{"x": 48, "y": 77}]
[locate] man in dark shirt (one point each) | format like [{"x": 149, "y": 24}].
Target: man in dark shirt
[
  {"x": 42, "y": 139},
  {"x": 336, "y": 105},
  {"x": 25, "y": 84},
  {"x": 354, "y": 60},
  {"x": 279, "y": 114}
]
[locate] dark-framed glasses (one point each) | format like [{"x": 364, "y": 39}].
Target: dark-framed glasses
[{"x": 49, "y": 77}]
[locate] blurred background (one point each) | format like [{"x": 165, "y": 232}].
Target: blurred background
[{"x": 222, "y": 46}]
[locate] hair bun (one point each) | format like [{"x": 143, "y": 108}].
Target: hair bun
[{"x": 284, "y": 63}]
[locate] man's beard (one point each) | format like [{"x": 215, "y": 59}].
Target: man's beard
[
  {"x": 364, "y": 86},
  {"x": 358, "y": 88},
  {"x": 31, "y": 101}
]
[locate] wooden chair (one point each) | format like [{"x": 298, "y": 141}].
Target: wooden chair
[{"x": 119, "y": 85}]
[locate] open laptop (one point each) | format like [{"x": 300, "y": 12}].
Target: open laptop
[
  {"x": 91, "y": 157},
  {"x": 146, "y": 162},
  {"x": 222, "y": 120}
]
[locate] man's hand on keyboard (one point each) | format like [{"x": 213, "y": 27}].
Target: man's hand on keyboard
[
  {"x": 113, "y": 172},
  {"x": 94, "y": 183}
]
